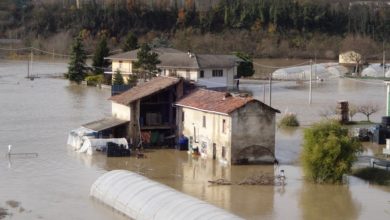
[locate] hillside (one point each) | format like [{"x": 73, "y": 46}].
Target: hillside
[{"x": 262, "y": 28}]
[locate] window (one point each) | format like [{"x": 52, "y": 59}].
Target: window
[
  {"x": 223, "y": 152},
  {"x": 201, "y": 74},
  {"x": 223, "y": 126},
  {"x": 188, "y": 74},
  {"x": 182, "y": 116},
  {"x": 195, "y": 135},
  {"x": 120, "y": 64},
  {"x": 217, "y": 73},
  {"x": 172, "y": 72},
  {"x": 204, "y": 121}
]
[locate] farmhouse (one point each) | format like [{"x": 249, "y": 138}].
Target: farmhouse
[
  {"x": 211, "y": 71},
  {"x": 231, "y": 129}
]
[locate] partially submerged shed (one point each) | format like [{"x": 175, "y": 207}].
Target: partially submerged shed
[
  {"x": 108, "y": 127},
  {"x": 140, "y": 198},
  {"x": 148, "y": 108}
]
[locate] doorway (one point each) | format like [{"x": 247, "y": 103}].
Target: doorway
[{"x": 214, "y": 151}]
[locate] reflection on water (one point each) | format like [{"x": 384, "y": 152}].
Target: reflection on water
[
  {"x": 191, "y": 175},
  {"x": 37, "y": 115},
  {"x": 332, "y": 201}
]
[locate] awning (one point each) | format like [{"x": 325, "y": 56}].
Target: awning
[{"x": 104, "y": 124}]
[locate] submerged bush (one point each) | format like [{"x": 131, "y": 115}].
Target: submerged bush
[
  {"x": 95, "y": 80},
  {"x": 328, "y": 152},
  {"x": 375, "y": 175},
  {"x": 289, "y": 120}
]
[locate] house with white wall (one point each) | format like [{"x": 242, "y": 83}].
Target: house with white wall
[
  {"x": 208, "y": 70},
  {"x": 228, "y": 128},
  {"x": 351, "y": 60}
]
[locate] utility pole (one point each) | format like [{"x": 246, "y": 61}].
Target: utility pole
[
  {"x": 31, "y": 60},
  {"x": 315, "y": 65},
  {"x": 264, "y": 91},
  {"x": 388, "y": 98},
  {"x": 270, "y": 89},
  {"x": 310, "y": 89},
  {"x": 384, "y": 60}
]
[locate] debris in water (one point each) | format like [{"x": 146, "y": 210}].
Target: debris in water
[
  {"x": 260, "y": 179},
  {"x": 13, "y": 203},
  {"x": 220, "y": 182},
  {"x": 3, "y": 213}
]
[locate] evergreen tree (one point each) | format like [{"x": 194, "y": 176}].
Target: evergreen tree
[
  {"x": 131, "y": 42},
  {"x": 118, "y": 78},
  {"x": 76, "y": 68},
  {"x": 245, "y": 67},
  {"x": 98, "y": 61},
  {"x": 147, "y": 61}
]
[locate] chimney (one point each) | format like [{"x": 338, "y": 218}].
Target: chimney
[
  {"x": 226, "y": 95},
  {"x": 190, "y": 55}
]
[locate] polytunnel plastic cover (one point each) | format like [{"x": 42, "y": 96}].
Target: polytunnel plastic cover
[{"x": 141, "y": 198}]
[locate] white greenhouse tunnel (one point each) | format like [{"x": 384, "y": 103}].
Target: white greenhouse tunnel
[
  {"x": 141, "y": 198},
  {"x": 375, "y": 70},
  {"x": 324, "y": 70}
]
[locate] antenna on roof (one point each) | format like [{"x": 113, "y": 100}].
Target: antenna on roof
[{"x": 190, "y": 55}]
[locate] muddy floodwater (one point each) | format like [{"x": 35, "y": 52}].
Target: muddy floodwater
[{"x": 36, "y": 116}]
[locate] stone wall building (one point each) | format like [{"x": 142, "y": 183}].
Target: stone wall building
[{"x": 231, "y": 129}]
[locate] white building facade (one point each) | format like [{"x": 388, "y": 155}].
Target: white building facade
[{"x": 211, "y": 71}]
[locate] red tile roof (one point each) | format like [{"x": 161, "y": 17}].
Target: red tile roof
[
  {"x": 213, "y": 101},
  {"x": 145, "y": 89}
]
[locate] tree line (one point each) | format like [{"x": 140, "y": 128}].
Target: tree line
[{"x": 272, "y": 16}]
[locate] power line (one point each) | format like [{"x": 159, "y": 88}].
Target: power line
[
  {"x": 280, "y": 67},
  {"x": 39, "y": 50},
  {"x": 16, "y": 49},
  {"x": 47, "y": 52}
]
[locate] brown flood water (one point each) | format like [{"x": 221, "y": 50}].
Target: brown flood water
[{"x": 35, "y": 116}]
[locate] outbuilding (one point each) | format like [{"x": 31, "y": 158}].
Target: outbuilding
[{"x": 148, "y": 109}]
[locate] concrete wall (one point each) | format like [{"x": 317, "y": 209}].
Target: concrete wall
[
  {"x": 208, "y": 80},
  {"x": 120, "y": 111},
  {"x": 134, "y": 129},
  {"x": 130, "y": 113},
  {"x": 190, "y": 74},
  {"x": 227, "y": 80},
  {"x": 253, "y": 134},
  {"x": 205, "y": 137}
]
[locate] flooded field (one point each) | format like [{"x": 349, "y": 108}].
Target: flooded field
[{"x": 37, "y": 115}]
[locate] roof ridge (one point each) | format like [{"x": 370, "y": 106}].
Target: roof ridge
[
  {"x": 221, "y": 92},
  {"x": 196, "y": 60}
]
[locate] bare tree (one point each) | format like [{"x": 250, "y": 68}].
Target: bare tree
[
  {"x": 352, "y": 110},
  {"x": 368, "y": 109},
  {"x": 329, "y": 112},
  {"x": 361, "y": 47}
]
